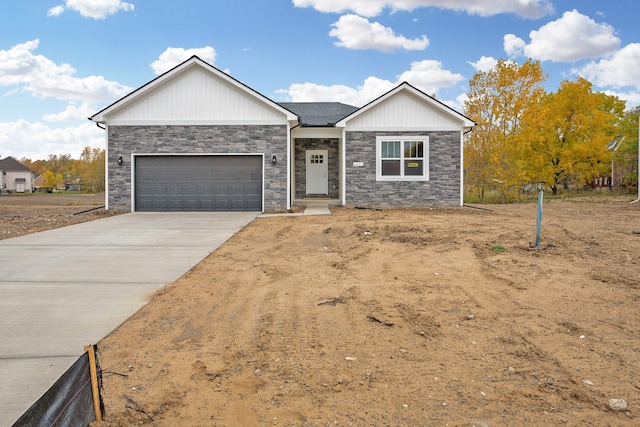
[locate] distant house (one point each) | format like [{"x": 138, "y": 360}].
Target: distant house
[
  {"x": 196, "y": 139},
  {"x": 72, "y": 184},
  {"x": 38, "y": 183},
  {"x": 15, "y": 177}
]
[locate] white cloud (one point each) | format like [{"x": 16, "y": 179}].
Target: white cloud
[
  {"x": 618, "y": 70},
  {"x": 355, "y": 32},
  {"x": 460, "y": 101},
  {"x": 173, "y": 56},
  {"x": 37, "y": 141},
  {"x": 632, "y": 99},
  {"x": 513, "y": 46},
  {"x": 484, "y": 64},
  {"x": 96, "y": 9},
  {"x": 572, "y": 37},
  {"x": 526, "y": 8},
  {"x": 56, "y": 11},
  {"x": 372, "y": 88},
  {"x": 73, "y": 112},
  {"x": 427, "y": 75},
  {"x": 40, "y": 76}
]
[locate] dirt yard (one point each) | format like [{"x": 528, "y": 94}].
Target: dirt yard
[
  {"x": 443, "y": 317},
  {"x": 22, "y": 214}
]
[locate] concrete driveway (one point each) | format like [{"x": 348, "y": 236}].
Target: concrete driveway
[{"x": 64, "y": 288}]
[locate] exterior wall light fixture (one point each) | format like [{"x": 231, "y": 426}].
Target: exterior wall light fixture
[
  {"x": 120, "y": 161},
  {"x": 273, "y": 160}
]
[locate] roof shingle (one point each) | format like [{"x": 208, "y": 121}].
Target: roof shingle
[
  {"x": 10, "y": 164},
  {"x": 319, "y": 114}
]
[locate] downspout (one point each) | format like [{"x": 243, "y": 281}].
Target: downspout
[{"x": 290, "y": 157}]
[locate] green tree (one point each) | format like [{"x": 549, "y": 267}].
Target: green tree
[
  {"x": 625, "y": 154},
  {"x": 567, "y": 135},
  {"x": 497, "y": 101},
  {"x": 91, "y": 168},
  {"x": 60, "y": 164}
]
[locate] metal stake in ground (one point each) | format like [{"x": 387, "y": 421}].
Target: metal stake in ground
[{"x": 539, "y": 217}]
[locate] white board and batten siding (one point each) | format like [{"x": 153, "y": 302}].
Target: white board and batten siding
[
  {"x": 196, "y": 95},
  {"x": 405, "y": 108}
]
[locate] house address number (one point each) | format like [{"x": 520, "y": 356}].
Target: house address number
[{"x": 358, "y": 164}]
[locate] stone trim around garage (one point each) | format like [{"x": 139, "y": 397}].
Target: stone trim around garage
[
  {"x": 270, "y": 140},
  {"x": 442, "y": 189}
]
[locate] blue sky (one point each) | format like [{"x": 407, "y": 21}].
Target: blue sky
[{"x": 63, "y": 60}]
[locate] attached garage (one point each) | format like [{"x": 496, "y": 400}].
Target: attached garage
[{"x": 189, "y": 183}]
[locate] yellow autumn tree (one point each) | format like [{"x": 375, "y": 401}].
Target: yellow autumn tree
[
  {"x": 49, "y": 181},
  {"x": 566, "y": 136},
  {"x": 497, "y": 100},
  {"x": 91, "y": 168}
]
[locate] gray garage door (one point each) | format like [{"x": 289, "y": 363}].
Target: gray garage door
[{"x": 198, "y": 183}]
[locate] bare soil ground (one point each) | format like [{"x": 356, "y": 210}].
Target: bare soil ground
[
  {"x": 394, "y": 318},
  {"x": 22, "y": 214}
]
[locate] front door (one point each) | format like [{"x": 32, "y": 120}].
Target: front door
[{"x": 317, "y": 172}]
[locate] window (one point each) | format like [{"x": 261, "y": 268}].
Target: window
[
  {"x": 403, "y": 158},
  {"x": 316, "y": 158}
]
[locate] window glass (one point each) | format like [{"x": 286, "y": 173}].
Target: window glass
[
  {"x": 404, "y": 157},
  {"x": 390, "y": 149},
  {"x": 391, "y": 167},
  {"x": 413, "y": 149},
  {"x": 413, "y": 167}
]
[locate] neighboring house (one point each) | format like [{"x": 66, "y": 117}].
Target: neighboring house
[
  {"x": 73, "y": 184},
  {"x": 196, "y": 139},
  {"x": 38, "y": 183},
  {"x": 15, "y": 177}
]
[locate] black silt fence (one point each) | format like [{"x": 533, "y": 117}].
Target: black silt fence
[{"x": 68, "y": 403}]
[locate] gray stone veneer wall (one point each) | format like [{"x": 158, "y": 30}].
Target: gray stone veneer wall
[
  {"x": 442, "y": 189},
  {"x": 211, "y": 139},
  {"x": 304, "y": 144}
]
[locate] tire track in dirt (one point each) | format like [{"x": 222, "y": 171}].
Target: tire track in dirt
[{"x": 462, "y": 334}]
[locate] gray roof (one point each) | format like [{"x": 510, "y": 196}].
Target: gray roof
[
  {"x": 12, "y": 165},
  {"x": 319, "y": 114}
]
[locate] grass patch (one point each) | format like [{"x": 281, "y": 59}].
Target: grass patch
[{"x": 498, "y": 248}]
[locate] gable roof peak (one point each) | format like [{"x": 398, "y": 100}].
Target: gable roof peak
[
  {"x": 406, "y": 86},
  {"x": 194, "y": 60},
  {"x": 10, "y": 164}
]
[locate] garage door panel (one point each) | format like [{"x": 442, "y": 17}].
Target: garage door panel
[{"x": 198, "y": 183}]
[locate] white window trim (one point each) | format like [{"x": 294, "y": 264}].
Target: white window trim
[{"x": 403, "y": 138}]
